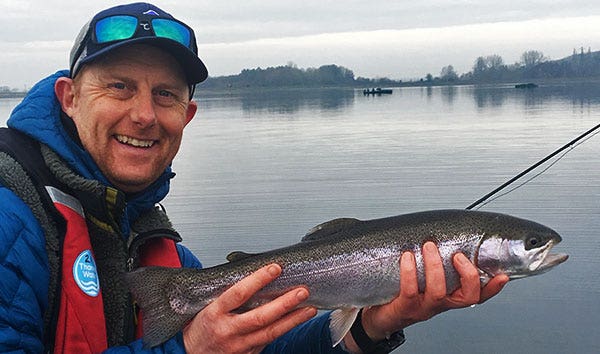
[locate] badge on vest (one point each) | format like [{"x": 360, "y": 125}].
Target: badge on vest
[{"x": 85, "y": 274}]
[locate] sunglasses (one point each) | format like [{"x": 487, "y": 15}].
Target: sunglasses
[{"x": 121, "y": 27}]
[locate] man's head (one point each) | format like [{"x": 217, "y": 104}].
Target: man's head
[{"x": 130, "y": 98}]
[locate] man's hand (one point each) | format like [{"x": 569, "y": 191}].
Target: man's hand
[
  {"x": 218, "y": 329},
  {"x": 411, "y": 306}
]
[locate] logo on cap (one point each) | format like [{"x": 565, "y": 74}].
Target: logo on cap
[
  {"x": 151, "y": 12},
  {"x": 85, "y": 274}
]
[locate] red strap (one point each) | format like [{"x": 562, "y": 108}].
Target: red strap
[{"x": 160, "y": 252}]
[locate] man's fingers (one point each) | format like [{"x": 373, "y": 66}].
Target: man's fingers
[
  {"x": 409, "y": 286},
  {"x": 250, "y": 331},
  {"x": 243, "y": 290},
  {"x": 470, "y": 285},
  {"x": 272, "y": 311},
  {"x": 493, "y": 287},
  {"x": 435, "y": 278}
]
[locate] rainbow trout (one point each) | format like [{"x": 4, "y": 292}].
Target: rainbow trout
[{"x": 348, "y": 264}]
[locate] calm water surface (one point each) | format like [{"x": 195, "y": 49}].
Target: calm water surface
[{"x": 256, "y": 171}]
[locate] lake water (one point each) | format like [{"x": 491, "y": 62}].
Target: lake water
[{"x": 257, "y": 170}]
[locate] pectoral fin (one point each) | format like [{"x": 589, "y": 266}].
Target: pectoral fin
[
  {"x": 484, "y": 278},
  {"x": 340, "y": 322}
]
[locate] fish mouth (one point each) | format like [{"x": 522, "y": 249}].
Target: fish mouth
[
  {"x": 547, "y": 260},
  {"x": 551, "y": 260}
]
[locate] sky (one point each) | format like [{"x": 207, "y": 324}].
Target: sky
[{"x": 376, "y": 38}]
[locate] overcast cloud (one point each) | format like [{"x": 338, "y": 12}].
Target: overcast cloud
[{"x": 397, "y": 39}]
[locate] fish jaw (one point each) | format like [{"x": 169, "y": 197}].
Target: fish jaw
[
  {"x": 511, "y": 257},
  {"x": 542, "y": 261},
  {"x": 548, "y": 260}
]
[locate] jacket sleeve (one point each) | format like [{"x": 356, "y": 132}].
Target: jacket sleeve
[
  {"x": 312, "y": 337},
  {"x": 172, "y": 346},
  {"x": 23, "y": 277}
]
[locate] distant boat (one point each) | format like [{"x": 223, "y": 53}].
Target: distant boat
[
  {"x": 377, "y": 91},
  {"x": 528, "y": 85}
]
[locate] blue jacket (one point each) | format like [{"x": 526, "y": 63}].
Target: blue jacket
[{"x": 24, "y": 272}]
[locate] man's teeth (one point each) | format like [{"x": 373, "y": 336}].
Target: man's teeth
[{"x": 134, "y": 142}]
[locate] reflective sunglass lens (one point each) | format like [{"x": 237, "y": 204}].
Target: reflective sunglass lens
[
  {"x": 172, "y": 30},
  {"x": 115, "y": 28}
]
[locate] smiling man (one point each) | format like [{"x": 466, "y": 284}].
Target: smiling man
[{"x": 85, "y": 160}]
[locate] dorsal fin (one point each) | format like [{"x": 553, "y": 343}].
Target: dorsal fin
[
  {"x": 237, "y": 255},
  {"x": 329, "y": 228}
]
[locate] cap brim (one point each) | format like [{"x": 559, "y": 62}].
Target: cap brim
[{"x": 193, "y": 67}]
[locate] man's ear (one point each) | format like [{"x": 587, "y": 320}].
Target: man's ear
[
  {"x": 191, "y": 111},
  {"x": 64, "y": 89}
]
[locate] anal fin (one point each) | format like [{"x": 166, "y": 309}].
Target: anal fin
[{"x": 340, "y": 322}]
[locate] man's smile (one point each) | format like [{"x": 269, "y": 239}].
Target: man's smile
[{"x": 124, "y": 139}]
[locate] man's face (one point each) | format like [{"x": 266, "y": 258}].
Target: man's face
[{"x": 130, "y": 109}]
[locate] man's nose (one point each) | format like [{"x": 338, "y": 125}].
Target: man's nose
[{"x": 143, "y": 112}]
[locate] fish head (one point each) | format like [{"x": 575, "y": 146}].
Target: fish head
[{"x": 519, "y": 248}]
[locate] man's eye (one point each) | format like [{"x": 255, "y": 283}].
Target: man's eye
[
  {"x": 165, "y": 93},
  {"x": 118, "y": 85}
]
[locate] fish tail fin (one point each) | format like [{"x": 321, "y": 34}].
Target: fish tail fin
[
  {"x": 340, "y": 322},
  {"x": 149, "y": 286}
]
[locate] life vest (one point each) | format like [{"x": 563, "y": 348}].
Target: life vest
[
  {"x": 78, "y": 316},
  {"x": 81, "y": 325}
]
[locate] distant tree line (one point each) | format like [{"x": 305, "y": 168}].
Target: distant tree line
[
  {"x": 292, "y": 76},
  {"x": 534, "y": 65},
  {"x": 285, "y": 76}
]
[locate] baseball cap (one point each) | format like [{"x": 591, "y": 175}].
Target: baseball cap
[{"x": 138, "y": 23}]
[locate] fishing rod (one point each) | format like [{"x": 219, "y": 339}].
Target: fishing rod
[{"x": 534, "y": 166}]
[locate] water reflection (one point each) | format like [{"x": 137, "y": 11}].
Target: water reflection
[
  {"x": 290, "y": 101},
  {"x": 579, "y": 95},
  {"x": 428, "y": 92},
  {"x": 489, "y": 96},
  {"x": 449, "y": 94}
]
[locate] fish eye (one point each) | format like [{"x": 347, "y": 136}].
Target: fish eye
[{"x": 533, "y": 242}]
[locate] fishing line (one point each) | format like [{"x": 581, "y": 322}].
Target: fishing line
[
  {"x": 536, "y": 175},
  {"x": 570, "y": 146}
]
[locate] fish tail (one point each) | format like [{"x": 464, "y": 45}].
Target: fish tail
[{"x": 148, "y": 286}]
